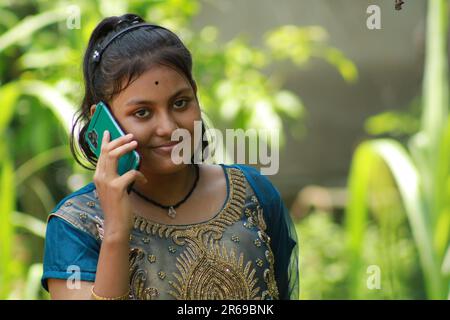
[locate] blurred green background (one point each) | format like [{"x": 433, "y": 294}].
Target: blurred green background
[{"x": 368, "y": 186}]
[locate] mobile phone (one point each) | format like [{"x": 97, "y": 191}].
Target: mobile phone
[{"x": 104, "y": 120}]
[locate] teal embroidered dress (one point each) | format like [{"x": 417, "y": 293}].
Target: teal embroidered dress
[{"x": 248, "y": 250}]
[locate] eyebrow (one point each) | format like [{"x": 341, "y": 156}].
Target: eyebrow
[{"x": 138, "y": 101}]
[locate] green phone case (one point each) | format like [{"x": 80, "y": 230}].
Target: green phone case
[{"x": 103, "y": 120}]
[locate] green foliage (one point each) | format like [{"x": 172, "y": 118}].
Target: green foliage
[
  {"x": 322, "y": 267},
  {"x": 325, "y": 267},
  {"x": 397, "y": 124},
  {"x": 421, "y": 175}
]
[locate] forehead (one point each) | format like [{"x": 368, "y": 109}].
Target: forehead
[{"x": 157, "y": 83}]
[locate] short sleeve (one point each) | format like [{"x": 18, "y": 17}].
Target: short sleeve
[
  {"x": 281, "y": 230},
  {"x": 68, "y": 248}
]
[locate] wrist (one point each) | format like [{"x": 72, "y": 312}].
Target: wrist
[
  {"x": 116, "y": 236},
  {"x": 112, "y": 229}
]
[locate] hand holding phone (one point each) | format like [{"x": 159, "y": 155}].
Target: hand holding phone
[
  {"x": 104, "y": 120},
  {"x": 116, "y": 204}
]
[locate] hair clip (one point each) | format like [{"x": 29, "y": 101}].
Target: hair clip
[{"x": 96, "y": 56}]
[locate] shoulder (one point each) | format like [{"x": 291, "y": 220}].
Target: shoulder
[
  {"x": 263, "y": 188},
  {"x": 82, "y": 210},
  {"x": 257, "y": 180},
  {"x": 87, "y": 190}
]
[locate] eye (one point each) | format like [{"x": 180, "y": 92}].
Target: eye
[
  {"x": 178, "y": 105},
  {"x": 140, "y": 113}
]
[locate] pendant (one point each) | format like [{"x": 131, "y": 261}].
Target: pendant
[{"x": 172, "y": 213}]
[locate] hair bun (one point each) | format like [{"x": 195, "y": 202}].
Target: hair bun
[{"x": 127, "y": 20}]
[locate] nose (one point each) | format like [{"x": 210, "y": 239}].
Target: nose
[{"x": 166, "y": 124}]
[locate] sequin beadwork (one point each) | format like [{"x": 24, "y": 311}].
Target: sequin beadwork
[{"x": 226, "y": 257}]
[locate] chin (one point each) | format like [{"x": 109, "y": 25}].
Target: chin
[{"x": 161, "y": 165}]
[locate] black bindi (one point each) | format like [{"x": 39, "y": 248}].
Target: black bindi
[{"x": 156, "y": 82}]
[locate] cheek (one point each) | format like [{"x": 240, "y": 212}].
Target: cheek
[
  {"x": 195, "y": 130},
  {"x": 188, "y": 118},
  {"x": 189, "y": 124},
  {"x": 142, "y": 132},
  {"x": 144, "y": 139}
]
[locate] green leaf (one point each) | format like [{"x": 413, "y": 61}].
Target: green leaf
[
  {"x": 33, "y": 284},
  {"x": 9, "y": 94},
  {"x": 52, "y": 98},
  {"x": 30, "y": 25},
  {"x": 407, "y": 179},
  {"x": 435, "y": 85},
  {"x": 29, "y": 223},
  {"x": 40, "y": 161},
  {"x": 7, "y": 206}
]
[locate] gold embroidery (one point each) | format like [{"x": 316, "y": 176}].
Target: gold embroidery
[
  {"x": 258, "y": 218},
  {"x": 206, "y": 268},
  {"x": 269, "y": 278},
  {"x": 172, "y": 249},
  {"x": 151, "y": 292},
  {"x": 138, "y": 278},
  {"x": 100, "y": 231},
  {"x": 265, "y": 294},
  {"x": 269, "y": 274},
  {"x": 264, "y": 237},
  {"x": 83, "y": 217},
  {"x": 259, "y": 262},
  {"x": 212, "y": 228},
  {"x": 213, "y": 274},
  {"x": 269, "y": 257}
]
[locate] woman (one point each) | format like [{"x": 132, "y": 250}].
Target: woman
[{"x": 185, "y": 231}]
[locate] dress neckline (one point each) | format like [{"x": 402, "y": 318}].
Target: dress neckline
[{"x": 228, "y": 199}]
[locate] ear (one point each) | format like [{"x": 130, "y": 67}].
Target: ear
[{"x": 93, "y": 107}]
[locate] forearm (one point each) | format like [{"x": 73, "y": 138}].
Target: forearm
[{"x": 112, "y": 278}]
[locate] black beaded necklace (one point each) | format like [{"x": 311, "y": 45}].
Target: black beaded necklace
[{"x": 171, "y": 208}]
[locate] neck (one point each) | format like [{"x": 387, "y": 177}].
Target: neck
[{"x": 167, "y": 189}]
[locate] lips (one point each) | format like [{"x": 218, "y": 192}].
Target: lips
[
  {"x": 166, "y": 148},
  {"x": 167, "y": 144}
]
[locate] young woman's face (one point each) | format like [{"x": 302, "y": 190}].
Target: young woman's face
[{"x": 151, "y": 108}]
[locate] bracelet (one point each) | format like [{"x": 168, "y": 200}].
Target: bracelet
[{"x": 97, "y": 297}]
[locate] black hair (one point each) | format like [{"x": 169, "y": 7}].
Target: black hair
[{"x": 125, "y": 59}]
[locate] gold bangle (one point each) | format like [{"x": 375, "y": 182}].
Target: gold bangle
[{"x": 97, "y": 297}]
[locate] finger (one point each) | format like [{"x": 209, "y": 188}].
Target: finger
[
  {"x": 109, "y": 165},
  {"x": 119, "y": 141},
  {"x": 123, "y": 149},
  {"x": 129, "y": 177},
  {"x": 100, "y": 161},
  {"x": 114, "y": 156}
]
